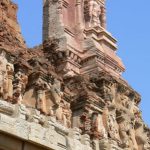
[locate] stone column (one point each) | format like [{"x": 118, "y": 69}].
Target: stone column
[
  {"x": 103, "y": 17},
  {"x": 79, "y": 16}
]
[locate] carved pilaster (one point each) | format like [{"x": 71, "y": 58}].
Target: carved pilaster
[{"x": 103, "y": 17}]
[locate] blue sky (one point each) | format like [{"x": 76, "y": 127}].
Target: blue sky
[{"x": 127, "y": 20}]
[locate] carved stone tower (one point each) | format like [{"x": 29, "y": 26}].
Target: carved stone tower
[
  {"x": 81, "y": 26},
  {"x": 68, "y": 92}
]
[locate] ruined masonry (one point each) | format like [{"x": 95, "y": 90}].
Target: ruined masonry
[{"x": 67, "y": 93}]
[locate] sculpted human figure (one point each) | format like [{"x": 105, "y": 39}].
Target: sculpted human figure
[
  {"x": 3, "y": 62},
  {"x": 21, "y": 81},
  {"x": 124, "y": 129},
  {"x": 110, "y": 92},
  {"x": 125, "y": 101},
  {"x": 67, "y": 115},
  {"x": 56, "y": 93},
  {"x": 59, "y": 111},
  {"x": 112, "y": 126},
  {"x": 94, "y": 13},
  {"x": 8, "y": 79},
  {"x": 40, "y": 88}
]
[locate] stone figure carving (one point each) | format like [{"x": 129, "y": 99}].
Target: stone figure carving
[
  {"x": 112, "y": 126},
  {"x": 110, "y": 92},
  {"x": 94, "y": 10},
  {"x": 67, "y": 115},
  {"x": 20, "y": 84},
  {"x": 40, "y": 89},
  {"x": 7, "y": 85},
  {"x": 3, "y": 78},
  {"x": 140, "y": 134},
  {"x": 124, "y": 130},
  {"x": 92, "y": 13},
  {"x": 125, "y": 99},
  {"x": 63, "y": 113},
  {"x": 59, "y": 111},
  {"x": 55, "y": 90}
]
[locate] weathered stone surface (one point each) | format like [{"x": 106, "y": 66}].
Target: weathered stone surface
[
  {"x": 67, "y": 93},
  {"x": 10, "y": 36}
]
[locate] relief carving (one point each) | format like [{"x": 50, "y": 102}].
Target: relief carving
[
  {"x": 20, "y": 83},
  {"x": 41, "y": 101},
  {"x": 92, "y": 13},
  {"x": 3, "y": 73},
  {"x": 111, "y": 123}
]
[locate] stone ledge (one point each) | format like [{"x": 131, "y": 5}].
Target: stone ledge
[{"x": 50, "y": 134}]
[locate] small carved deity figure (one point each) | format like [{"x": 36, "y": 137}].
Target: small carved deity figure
[
  {"x": 94, "y": 13},
  {"x": 125, "y": 100},
  {"x": 8, "y": 79},
  {"x": 110, "y": 92},
  {"x": 55, "y": 90},
  {"x": 113, "y": 131},
  {"x": 3, "y": 62},
  {"x": 59, "y": 111},
  {"x": 124, "y": 130},
  {"x": 67, "y": 115},
  {"x": 21, "y": 81},
  {"x": 40, "y": 88}
]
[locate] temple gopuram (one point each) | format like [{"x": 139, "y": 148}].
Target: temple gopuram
[{"x": 67, "y": 93}]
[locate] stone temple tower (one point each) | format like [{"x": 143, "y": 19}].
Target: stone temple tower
[
  {"x": 81, "y": 25},
  {"x": 67, "y": 93}
]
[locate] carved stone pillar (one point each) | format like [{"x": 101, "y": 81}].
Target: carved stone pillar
[
  {"x": 103, "y": 17},
  {"x": 79, "y": 14}
]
